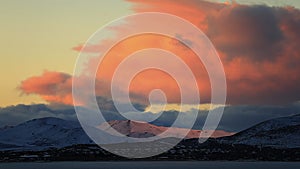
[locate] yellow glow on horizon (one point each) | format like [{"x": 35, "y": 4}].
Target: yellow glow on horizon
[{"x": 157, "y": 108}]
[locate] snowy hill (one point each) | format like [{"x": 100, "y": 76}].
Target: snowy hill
[
  {"x": 43, "y": 133},
  {"x": 49, "y": 132},
  {"x": 280, "y": 132},
  {"x": 144, "y": 130}
]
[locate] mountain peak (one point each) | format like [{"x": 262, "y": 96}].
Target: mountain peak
[
  {"x": 131, "y": 128},
  {"x": 138, "y": 129}
]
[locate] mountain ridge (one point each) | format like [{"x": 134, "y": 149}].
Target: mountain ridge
[
  {"x": 136, "y": 128},
  {"x": 283, "y": 132},
  {"x": 51, "y": 132}
]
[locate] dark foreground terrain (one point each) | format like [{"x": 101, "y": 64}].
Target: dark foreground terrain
[
  {"x": 190, "y": 149},
  {"x": 51, "y": 139}
]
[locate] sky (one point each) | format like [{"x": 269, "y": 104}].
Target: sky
[
  {"x": 294, "y": 3},
  {"x": 38, "y": 36},
  {"x": 257, "y": 41}
]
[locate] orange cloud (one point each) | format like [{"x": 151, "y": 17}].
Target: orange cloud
[
  {"x": 258, "y": 46},
  {"x": 152, "y": 79},
  {"x": 55, "y": 87}
]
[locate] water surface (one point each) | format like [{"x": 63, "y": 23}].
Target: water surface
[{"x": 151, "y": 165}]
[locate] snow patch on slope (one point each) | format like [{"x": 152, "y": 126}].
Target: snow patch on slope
[{"x": 280, "y": 132}]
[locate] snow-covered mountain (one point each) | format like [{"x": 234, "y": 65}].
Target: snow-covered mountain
[
  {"x": 49, "y": 132},
  {"x": 143, "y": 130},
  {"x": 281, "y": 132},
  {"x": 43, "y": 133}
]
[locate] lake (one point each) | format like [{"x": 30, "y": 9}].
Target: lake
[{"x": 150, "y": 165}]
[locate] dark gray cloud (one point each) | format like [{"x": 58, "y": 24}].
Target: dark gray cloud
[
  {"x": 247, "y": 31},
  {"x": 107, "y": 104},
  {"x": 235, "y": 118},
  {"x": 13, "y": 115}
]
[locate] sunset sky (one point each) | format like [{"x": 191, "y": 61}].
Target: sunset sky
[
  {"x": 38, "y": 36},
  {"x": 258, "y": 46},
  {"x": 257, "y": 42}
]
